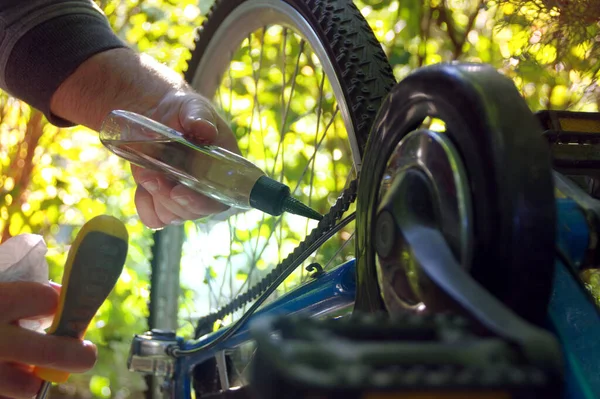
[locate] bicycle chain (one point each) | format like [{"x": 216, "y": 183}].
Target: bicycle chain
[{"x": 327, "y": 224}]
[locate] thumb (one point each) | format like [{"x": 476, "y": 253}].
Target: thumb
[{"x": 199, "y": 122}]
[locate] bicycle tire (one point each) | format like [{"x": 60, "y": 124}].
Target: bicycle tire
[
  {"x": 357, "y": 57},
  {"x": 355, "y": 62}
]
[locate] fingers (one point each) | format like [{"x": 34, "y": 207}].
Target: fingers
[
  {"x": 17, "y": 382},
  {"x": 226, "y": 137},
  {"x": 198, "y": 121},
  {"x": 152, "y": 213},
  {"x": 195, "y": 203},
  {"x": 20, "y": 349},
  {"x": 145, "y": 209},
  {"x": 161, "y": 189},
  {"x": 194, "y": 115},
  {"x": 61, "y": 353},
  {"x": 160, "y": 201},
  {"x": 188, "y": 113},
  {"x": 23, "y": 300}
]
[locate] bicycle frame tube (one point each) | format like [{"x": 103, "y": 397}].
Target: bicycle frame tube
[
  {"x": 328, "y": 294},
  {"x": 571, "y": 314}
]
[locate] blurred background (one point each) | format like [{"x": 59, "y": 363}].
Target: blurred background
[{"x": 53, "y": 180}]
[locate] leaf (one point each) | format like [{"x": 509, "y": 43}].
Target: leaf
[{"x": 100, "y": 386}]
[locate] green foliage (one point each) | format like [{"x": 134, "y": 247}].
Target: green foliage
[
  {"x": 53, "y": 180},
  {"x": 552, "y": 55}
]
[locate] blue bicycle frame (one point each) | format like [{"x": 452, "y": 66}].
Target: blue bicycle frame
[{"x": 572, "y": 315}]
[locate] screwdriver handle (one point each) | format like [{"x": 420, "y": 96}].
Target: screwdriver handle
[{"x": 94, "y": 264}]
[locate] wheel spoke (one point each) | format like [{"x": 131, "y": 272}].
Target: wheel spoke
[
  {"x": 286, "y": 106},
  {"x": 329, "y": 124},
  {"x": 272, "y": 114}
]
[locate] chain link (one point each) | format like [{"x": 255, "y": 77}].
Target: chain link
[{"x": 326, "y": 226}]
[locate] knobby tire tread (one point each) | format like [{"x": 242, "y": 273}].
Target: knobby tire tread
[{"x": 359, "y": 61}]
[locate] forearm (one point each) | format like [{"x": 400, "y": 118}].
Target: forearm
[
  {"x": 42, "y": 42},
  {"x": 113, "y": 79}
]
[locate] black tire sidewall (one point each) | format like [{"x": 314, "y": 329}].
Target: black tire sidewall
[{"x": 510, "y": 182}]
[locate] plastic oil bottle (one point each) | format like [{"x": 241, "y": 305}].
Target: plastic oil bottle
[{"x": 210, "y": 170}]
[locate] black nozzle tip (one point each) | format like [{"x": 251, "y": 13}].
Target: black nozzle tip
[
  {"x": 292, "y": 205},
  {"x": 273, "y": 197}
]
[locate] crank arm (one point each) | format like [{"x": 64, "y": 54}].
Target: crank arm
[{"x": 436, "y": 260}]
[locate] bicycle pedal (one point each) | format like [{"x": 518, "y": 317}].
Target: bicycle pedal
[
  {"x": 375, "y": 356},
  {"x": 574, "y": 139}
]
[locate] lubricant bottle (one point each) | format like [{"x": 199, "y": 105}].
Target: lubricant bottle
[{"x": 207, "y": 169}]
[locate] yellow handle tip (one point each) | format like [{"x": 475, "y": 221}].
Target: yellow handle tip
[
  {"x": 51, "y": 375},
  {"x": 106, "y": 224}
]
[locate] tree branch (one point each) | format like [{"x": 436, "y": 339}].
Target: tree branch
[
  {"x": 458, "y": 42},
  {"x": 22, "y": 166},
  {"x": 446, "y": 18},
  {"x": 424, "y": 32}
]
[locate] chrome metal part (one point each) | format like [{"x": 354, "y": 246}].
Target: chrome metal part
[
  {"x": 425, "y": 183},
  {"x": 148, "y": 354},
  {"x": 44, "y": 389},
  {"x": 222, "y": 370}
]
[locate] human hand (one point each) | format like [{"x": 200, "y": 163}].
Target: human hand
[
  {"x": 21, "y": 349},
  {"x": 160, "y": 201},
  {"x": 122, "y": 79}
]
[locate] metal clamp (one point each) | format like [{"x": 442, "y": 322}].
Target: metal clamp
[{"x": 148, "y": 353}]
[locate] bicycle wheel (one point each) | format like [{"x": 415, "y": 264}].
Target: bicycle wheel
[{"x": 300, "y": 83}]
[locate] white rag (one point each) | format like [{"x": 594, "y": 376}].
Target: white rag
[{"x": 23, "y": 258}]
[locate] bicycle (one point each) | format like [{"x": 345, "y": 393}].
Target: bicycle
[{"x": 470, "y": 219}]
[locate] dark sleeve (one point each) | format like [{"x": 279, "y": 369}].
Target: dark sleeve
[{"x": 42, "y": 42}]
